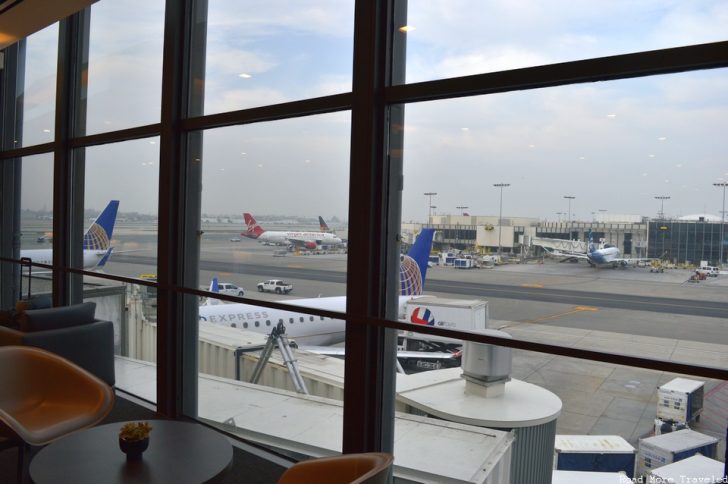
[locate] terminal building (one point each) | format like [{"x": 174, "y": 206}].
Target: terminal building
[{"x": 685, "y": 240}]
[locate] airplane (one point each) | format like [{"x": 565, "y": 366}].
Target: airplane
[
  {"x": 607, "y": 255},
  {"x": 306, "y": 240},
  {"x": 96, "y": 241},
  {"x": 313, "y": 333}
]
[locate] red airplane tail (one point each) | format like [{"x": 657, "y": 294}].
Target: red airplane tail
[{"x": 253, "y": 230}]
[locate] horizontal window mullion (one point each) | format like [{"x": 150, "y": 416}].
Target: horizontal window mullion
[
  {"x": 295, "y": 109},
  {"x": 666, "y": 61},
  {"x": 129, "y": 134},
  {"x": 28, "y": 151}
]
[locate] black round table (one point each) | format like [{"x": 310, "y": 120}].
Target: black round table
[{"x": 179, "y": 452}]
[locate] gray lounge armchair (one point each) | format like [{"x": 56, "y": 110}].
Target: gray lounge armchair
[{"x": 68, "y": 331}]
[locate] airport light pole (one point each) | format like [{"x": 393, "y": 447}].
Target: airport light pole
[
  {"x": 500, "y": 212},
  {"x": 462, "y": 209},
  {"x": 429, "y": 205},
  {"x": 722, "y": 222},
  {"x": 662, "y": 199},
  {"x": 570, "y": 198}
]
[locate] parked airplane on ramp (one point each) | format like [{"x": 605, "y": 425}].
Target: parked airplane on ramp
[
  {"x": 96, "y": 241},
  {"x": 316, "y": 333},
  {"x": 306, "y": 240},
  {"x": 316, "y": 330},
  {"x": 608, "y": 255}
]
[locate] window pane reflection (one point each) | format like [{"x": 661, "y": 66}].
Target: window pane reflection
[
  {"x": 125, "y": 64},
  {"x": 262, "y": 53},
  {"x": 449, "y": 39},
  {"x": 39, "y": 91}
]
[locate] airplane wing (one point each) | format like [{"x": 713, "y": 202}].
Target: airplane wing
[
  {"x": 631, "y": 261},
  {"x": 401, "y": 354}
]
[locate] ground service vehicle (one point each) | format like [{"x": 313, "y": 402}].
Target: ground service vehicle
[
  {"x": 275, "y": 285},
  {"x": 230, "y": 289}
]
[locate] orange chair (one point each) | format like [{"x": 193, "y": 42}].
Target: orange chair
[
  {"x": 366, "y": 468},
  {"x": 44, "y": 397}
]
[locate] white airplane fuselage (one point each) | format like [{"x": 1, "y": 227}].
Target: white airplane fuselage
[
  {"x": 45, "y": 256},
  {"x": 608, "y": 255},
  {"x": 305, "y": 329},
  {"x": 284, "y": 238}
]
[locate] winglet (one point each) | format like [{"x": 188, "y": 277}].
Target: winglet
[
  {"x": 214, "y": 287},
  {"x": 413, "y": 266}
]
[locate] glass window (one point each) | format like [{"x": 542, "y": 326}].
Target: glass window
[
  {"x": 556, "y": 183},
  {"x": 261, "y": 53},
  {"x": 264, "y": 186},
  {"x": 39, "y": 89},
  {"x": 36, "y": 221},
  {"x": 121, "y": 199},
  {"x": 447, "y": 40},
  {"x": 125, "y": 64},
  {"x": 36, "y": 203}
]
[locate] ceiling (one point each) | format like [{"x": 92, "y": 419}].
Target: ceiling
[{"x": 20, "y": 18}]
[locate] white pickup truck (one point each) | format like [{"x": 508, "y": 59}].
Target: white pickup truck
[{"x": 275, "y": 285}]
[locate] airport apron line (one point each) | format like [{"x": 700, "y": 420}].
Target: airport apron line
[{"x": 484, "y": 290}]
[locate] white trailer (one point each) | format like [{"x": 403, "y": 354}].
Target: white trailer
[
  {"x": 462, "y": 314},
  {"x": 680, "y": 400},
  {"x": 660, "y": 450},
  {"x": 697, "y": 468}
]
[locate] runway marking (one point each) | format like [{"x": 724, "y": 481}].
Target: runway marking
[
  {"x": 577, "y": 309},
  {"x": 532, "y": 285}
]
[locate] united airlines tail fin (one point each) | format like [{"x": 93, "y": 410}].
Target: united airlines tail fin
[
  {"x": 253, "y": 230},
  {"x": 322, "y": 224},
  {"x": 98, "y": 236},
  {"x": 214, "y": 287},
  {"x": 413, "y": 266}
]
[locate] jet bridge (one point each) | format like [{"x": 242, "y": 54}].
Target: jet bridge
[{"x": 560, "y": 245}]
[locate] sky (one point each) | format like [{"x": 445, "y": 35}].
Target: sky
[{"x": 614, "y": 145}]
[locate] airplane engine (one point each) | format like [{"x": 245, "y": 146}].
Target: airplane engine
[{"x": 310, "y": 245}]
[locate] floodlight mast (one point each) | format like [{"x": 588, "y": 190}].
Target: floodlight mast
[
  {"x": 722, "y": 223},
  {"x": 429, "y": 205},
  {"x": 500, "y": 213},
  {"x": 570, "y": 198}
]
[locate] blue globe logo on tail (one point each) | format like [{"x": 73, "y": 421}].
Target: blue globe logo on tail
[
  {"x": 98, "y": 236},
  {"x": 410, "y": 277},
  {"x": 413, "y": 266}
]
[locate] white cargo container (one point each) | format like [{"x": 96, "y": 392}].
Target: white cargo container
[
  {"x": 603, "y": 453},
  {"x": 680, "y": 400},
  {"x": 465, "y": 263},
  {"x": 582, "y": 477},
  {"x": 664, "y": 449},
  {"x": 697, "y": 468},
  {"x": 462, "y": 314}
]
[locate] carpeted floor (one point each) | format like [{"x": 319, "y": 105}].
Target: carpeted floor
[{"x": 249, "y": 466}]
